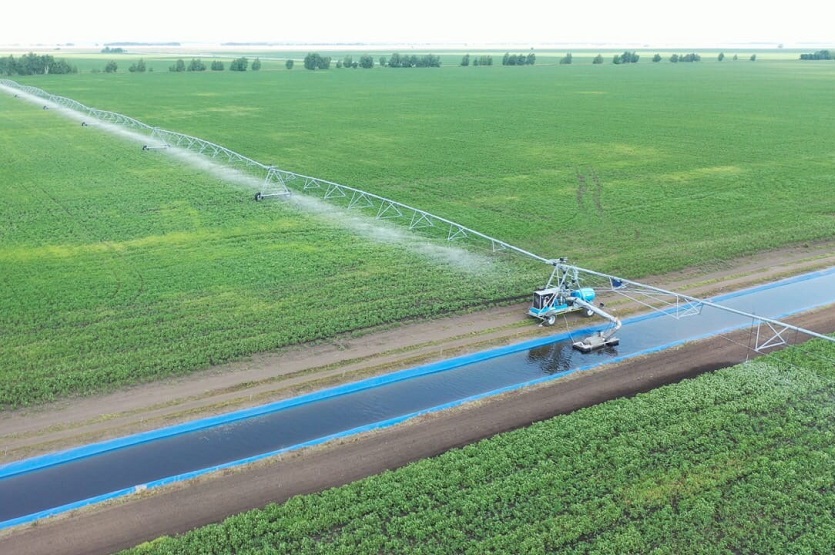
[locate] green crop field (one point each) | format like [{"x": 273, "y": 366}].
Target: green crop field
[
  {"x": 738, "y": 461},
  {"x": 120, "y": 267},
  {"x": 123, "y": 266},
  {"x": 632, "y": 169}
]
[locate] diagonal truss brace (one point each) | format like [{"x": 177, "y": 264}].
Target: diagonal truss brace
[
  {"x": 764, "y": 340},
  {"x": 668, "y": 302}
]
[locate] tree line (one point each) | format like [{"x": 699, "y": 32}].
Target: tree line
[
  {"x": 196, "y": 64},
  {"x": 314, "y": 60},
  {"x": 34, "y": 64},
  {"x": 819, "y": 55}
]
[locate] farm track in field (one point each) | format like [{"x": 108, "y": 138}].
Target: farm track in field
[{"x": 104, "y": 528}]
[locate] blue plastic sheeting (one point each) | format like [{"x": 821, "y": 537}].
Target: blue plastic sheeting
[{"x": 43, "y": 486}]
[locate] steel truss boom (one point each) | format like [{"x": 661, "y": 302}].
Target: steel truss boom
[
  {"x": 769, "y": 331},
  {"x": 276, "y": 180}
]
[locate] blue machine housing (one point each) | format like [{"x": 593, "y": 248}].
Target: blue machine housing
[
  {"x": 586, "y": 293},
  {"x": 548, "y": 302}
]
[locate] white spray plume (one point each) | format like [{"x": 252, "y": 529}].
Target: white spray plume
[{"x": 377, "y": 230}]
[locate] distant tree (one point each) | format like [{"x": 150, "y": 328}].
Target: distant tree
[
  {"x": 108, "y": 50},
  {"x": 465, "y": 60},
  {"x": 196, "y": 64},
  {"x": 34, "y": 64},
  {"x": 366, "y": 61},
  {"x": 406, "y": 60},
  {"x": 819, "y": 55},
  {"x": 256, "y": 64},
  {"x": 626, "y": 58},
  {"x": 178, "y": 66},
  {"x": 518, "y": 59},
  {"x": 382, "y": 61},
  {"x": 753, "y": 57},
  {"x": 111, "y": 67},
  {"x": 566, "y": 60},
  {"x": 314, "y": 61},
  {"x": 721, "y": 56},
  {"x": 486, "y": 60},
  {"x": 289, "y": 63},
  {"x": 674, "y": 58},
  {"x": 736, "y": 57},
  {"x": 238, "y": 64},
  {"x": 597, "y": 59},
  {"x": 217, "y": 65},
  {"x": 338, "y": 64},
  {"x": 138, "y": 66},
  {"x": 656, "y": 58},
  {"x": 348, "y": 60}
]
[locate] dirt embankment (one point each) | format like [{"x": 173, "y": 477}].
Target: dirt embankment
[{"x": 107, "y": 527}]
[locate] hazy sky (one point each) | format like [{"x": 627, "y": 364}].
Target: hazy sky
[{"x": 652, "y": 22}]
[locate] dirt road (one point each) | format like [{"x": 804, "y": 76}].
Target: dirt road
[{"x": 120, "y": 524}]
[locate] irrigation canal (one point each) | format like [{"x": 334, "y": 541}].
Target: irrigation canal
[{"x": 42, "y": 486}]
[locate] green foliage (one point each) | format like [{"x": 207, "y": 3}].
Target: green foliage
[
  {"x": 566, "y": 60},
  {"x": 721, "y": 56},
  {"x": 314, "y": 61},
  {"x": 289, "y": 63},
  {"x": 109, "y": 50},
  {"x": 366, "y": 61},
  {"x": 518, "y": 59},
  {"x": 465, "y": 60},
  {"x": 692, "y": 57},
  {"x": 626, "y": 58},
  {"x": 256, "y": 64},
  {"x": 179, "y": 66},
  {"x": 217, "y": 65},
  {"x": 196, "y": 64},
  {"x": 656, "y": 58},
  {"x": 138, "y": 66},
  {"x": 819, "y": 55},
  {"x": 111, "y": 67},
  {"x": 239, "y": 64},
  {"x": 738, "y": 461},
  {"x": 675, "y": 189},
  {"x": 414, "y": 60},
  {"x": 111, "y": 279},
  {"x": 597, "y": 59},
  {"x": 34, "y": 64}
]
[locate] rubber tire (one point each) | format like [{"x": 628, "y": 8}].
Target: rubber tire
[
  {"x": 550, "y": 320},
  {"x": 588, "y": 313}
]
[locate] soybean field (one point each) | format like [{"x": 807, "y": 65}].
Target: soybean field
[{"x": 122, "y": 266}]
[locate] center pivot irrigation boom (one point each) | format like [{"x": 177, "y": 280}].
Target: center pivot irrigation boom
[{"x": 561, "y": 295}]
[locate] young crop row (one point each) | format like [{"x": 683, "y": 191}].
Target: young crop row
[
  {"x": 122, "y": 267},
  {"x": 738, "y": 461},
  {"x": 635, "y": 172}
]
